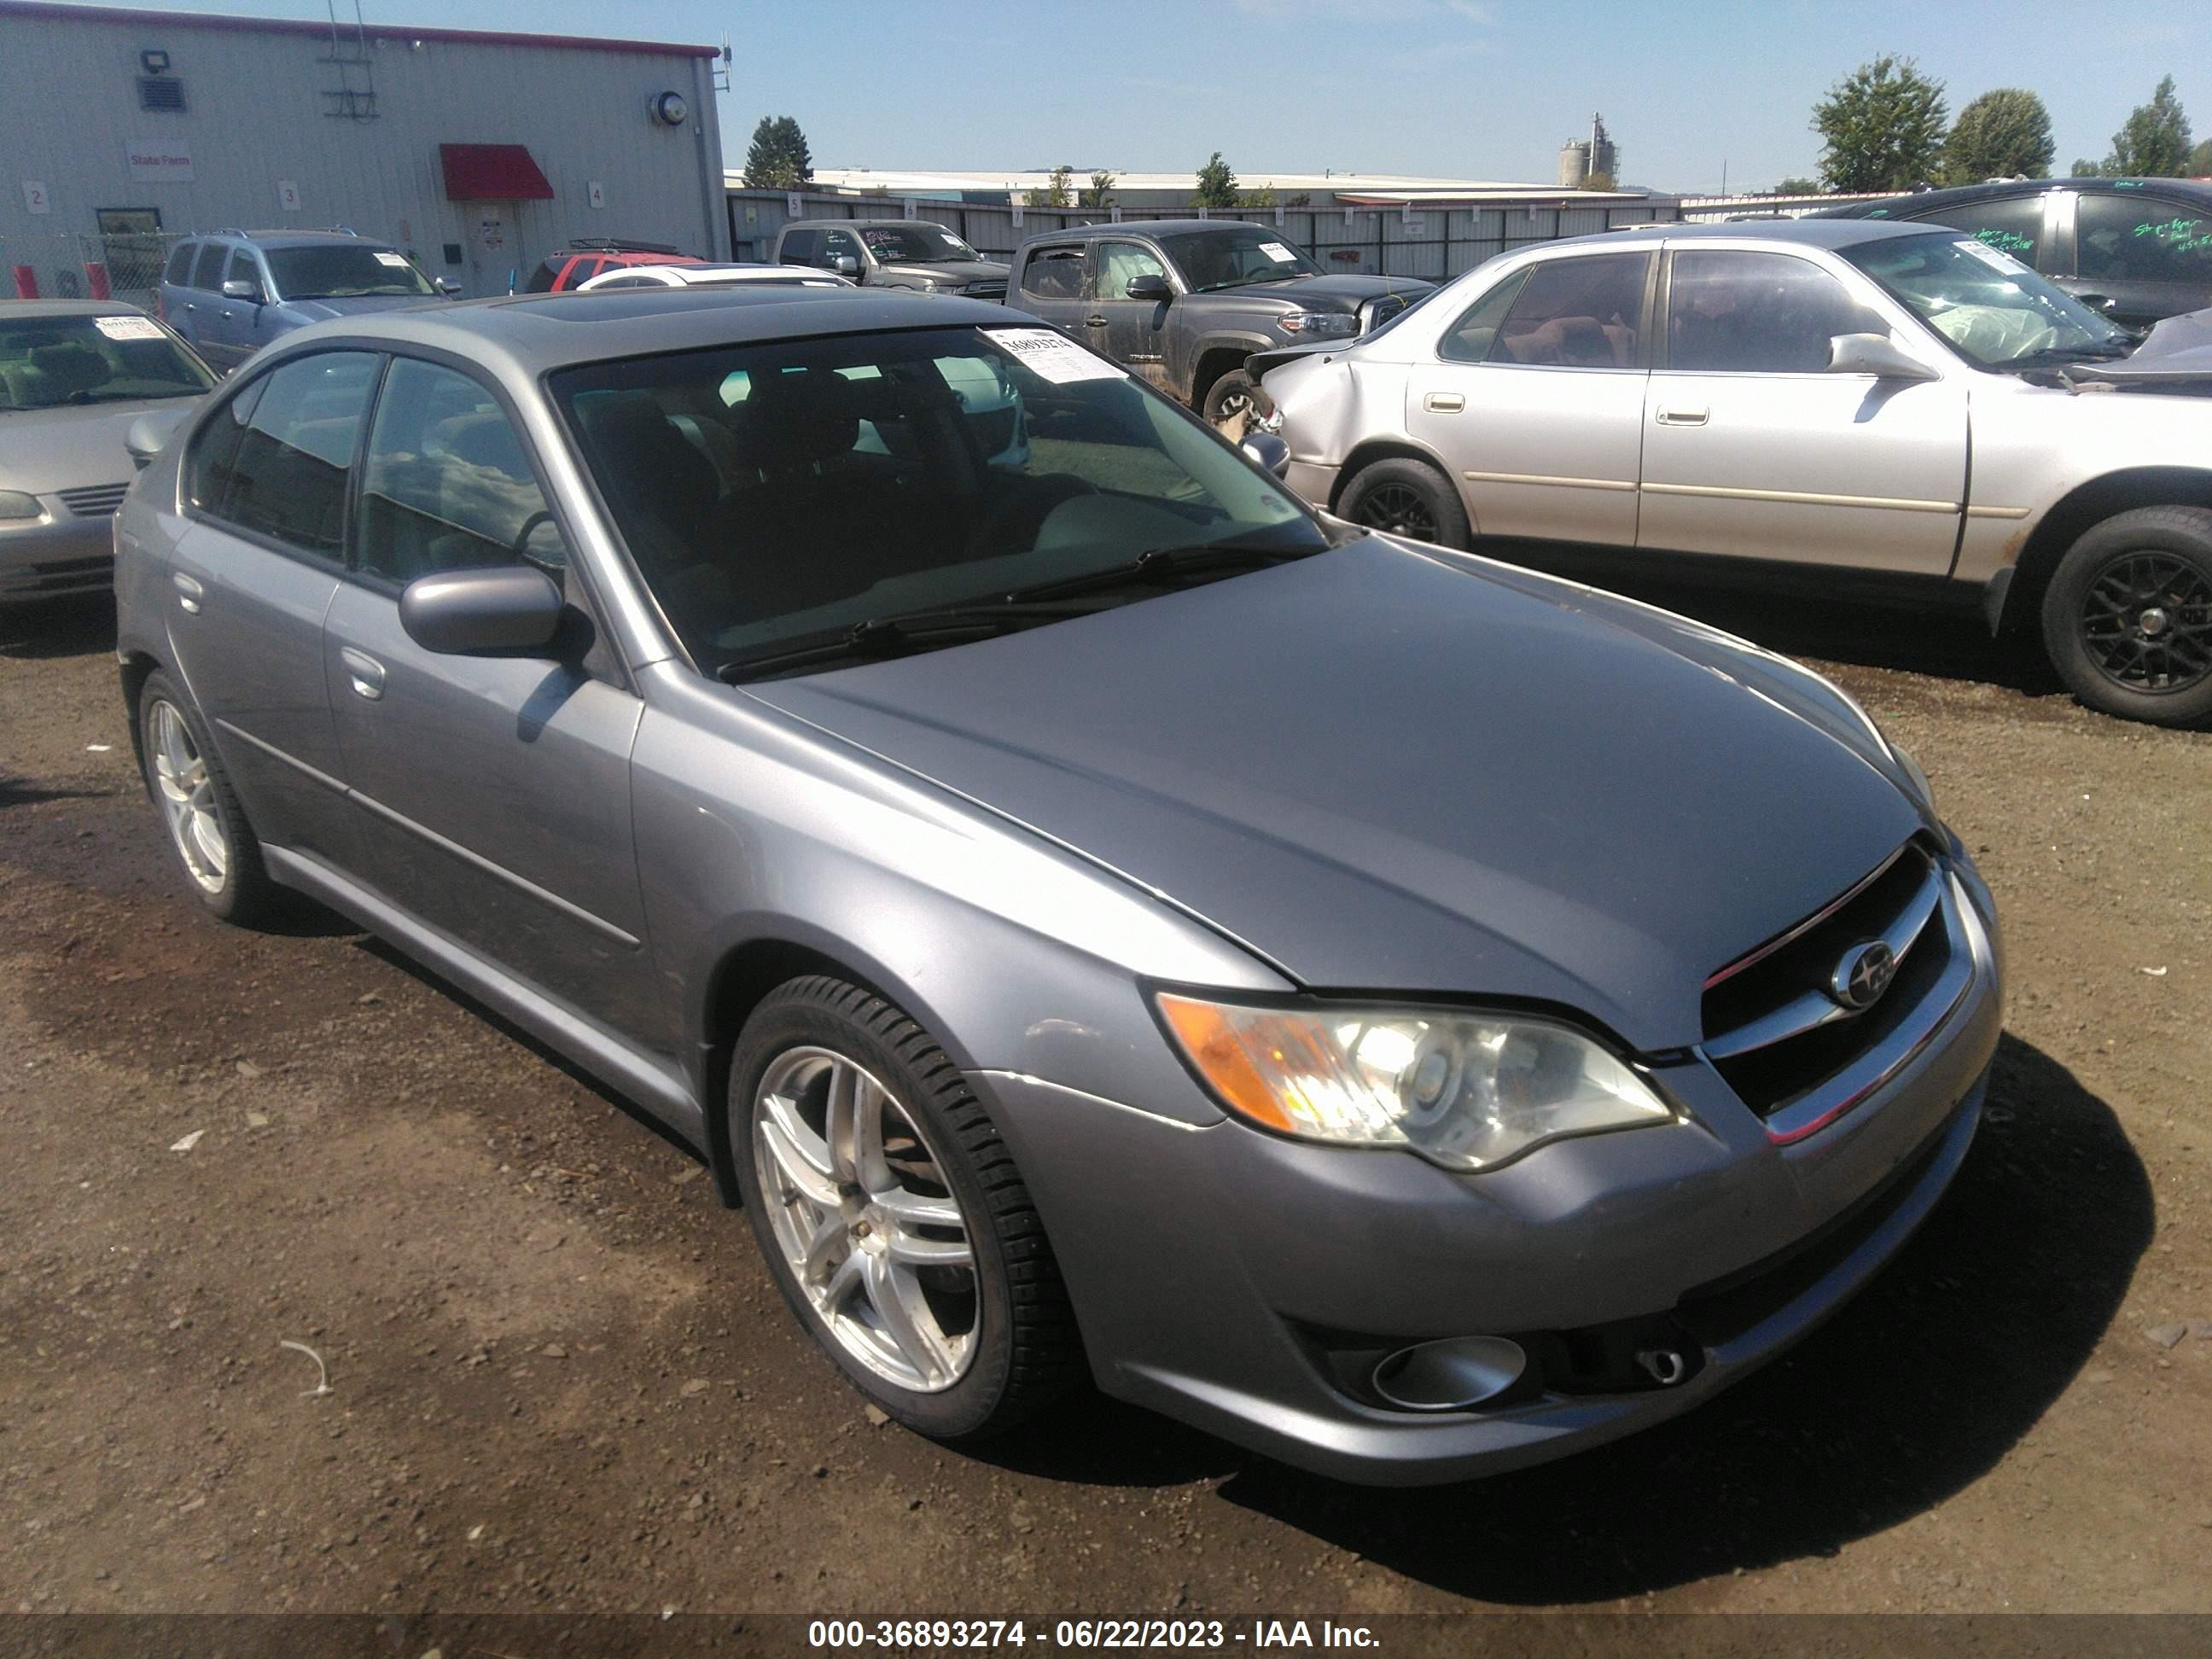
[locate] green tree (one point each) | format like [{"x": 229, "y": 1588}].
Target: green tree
[
  {"x": 2154, "y": 144},
  {"x": 1882, "y": 127},
  {"x": 1217, "y": 184},
  {"x": 1101, "y": 193},
  {"x": 2083, "y": 168},
  {"x": 2000, "y": 134},
  {"x": 1057, "y": 190},
  {"x": 2200, "y": 160},
  {"x": 778, "y": 158},
  {"x": 1597, "y": 181},
  {"x": 1795, "y": 186},
  {"x": 1262, "y": 198}
]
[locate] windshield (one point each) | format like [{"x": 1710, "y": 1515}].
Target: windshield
[
  {"x": 49, "y": 362},
  {"x": 343, "y": 270},
  {"x": 1235, "y": 255},
  {"x": 915, "y": 245},
  {"x": 1991, "y": 309},
  {"x": 773, "y": 493}
]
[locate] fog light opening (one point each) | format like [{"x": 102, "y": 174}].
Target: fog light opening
[
  {"x": 1450, "y": 1375},
  {"x": 1664, "y": 1366}
]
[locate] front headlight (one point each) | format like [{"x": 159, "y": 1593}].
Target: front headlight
[
  {"x": 15, "y": 507},
  {"x": 1466, "y": 1091},
  {"x": 1318, "y": 325}
]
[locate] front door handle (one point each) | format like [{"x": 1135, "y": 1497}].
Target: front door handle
[
  {"x": 191, "y": 304},
  {"x": 365, "y": 673},
  {"x": 1683, "y": 417},
  {"x": 1094, "y": 322},
  {"x": 1444, "y": 403},
  {"x": 189, "y": 592}
]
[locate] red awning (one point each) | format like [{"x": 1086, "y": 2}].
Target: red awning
[{"x": 492, "y": 173}]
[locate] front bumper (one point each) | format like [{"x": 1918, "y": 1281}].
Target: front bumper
[
  {"x": 58, "y": 553},
  {"x": 1225, "y": 1277}
]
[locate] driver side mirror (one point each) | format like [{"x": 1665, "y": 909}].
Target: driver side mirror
[
  {"x": 844, "y": 264},
  {"x": 446, "y": 286},
  {"x": 1268, "y": 451},
  {"x": 239, "y": 289},
  {"x": 498, "y": 608},
  {"x": 1875, "y": 354},
  {"x": 1151, "y": 286}
]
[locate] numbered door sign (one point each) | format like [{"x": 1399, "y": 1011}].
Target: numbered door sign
[
  {"x": 35, "y": 199},
  {"x": 790, "y": 205},
  {"x": 288, "y": 195}
]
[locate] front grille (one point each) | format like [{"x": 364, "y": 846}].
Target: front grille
[
  {"x": 1778, "y": 1033},
  {"x": 986, "y": 290},
  {"x": 60, "y": 575},
  {"x": 93, "y": 500}
]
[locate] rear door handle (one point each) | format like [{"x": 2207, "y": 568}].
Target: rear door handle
[
  {"x": 363, "y": 671},
  {"x": 1444, "y": 403},
  {"x": 189, "y": 592},
  {"x": 1094, "y": 322},
  {"x": 1683, "y": 417},
  {"x": 191, "y": 305}
]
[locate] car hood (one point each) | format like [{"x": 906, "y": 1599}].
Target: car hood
[
  {"x": 955, "y": 270},
  {"x": 321, "y": 311},
  {"x": 44, "y": 450},
  {"x": 1348, "y": 290},
  {"x": 2176, "y": 355},
  {"x": 1388, "y": 768}
]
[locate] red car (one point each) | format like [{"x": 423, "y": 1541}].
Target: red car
[{"x": 582, "y": 259}]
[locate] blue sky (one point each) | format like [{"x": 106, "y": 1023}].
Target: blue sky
[{"x": 1463, "y": 89}]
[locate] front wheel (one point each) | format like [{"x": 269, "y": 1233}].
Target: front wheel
[
  {"x": 892, "y": 1216},
  {"x": 2127, "y": 619},
  {"x": 1407, "y": 498},
  {"x": 1236, "y": 398}
]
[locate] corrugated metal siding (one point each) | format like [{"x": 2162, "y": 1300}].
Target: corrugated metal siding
[{"x": 69, "y": 107}]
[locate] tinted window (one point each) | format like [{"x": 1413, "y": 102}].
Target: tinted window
[
  {"x": 1764, "y": 313},
  {"x": 446, "y": 484},
  {"x": 2143, "y": 238},
  {"x": 179, "y": 269},
  {"x": 798, "y": 247},
  {"x": 242, "y": 268},
  {"x": 837, "y": 243},
  {"x": 1121, "y": 263},
  {"x": 275, "y": 459},
  {"x": 343, "y": 270},
  {"x": 541, "y": 280},
  {"x": 1234, "y": 256},
  {"x": 915, "y": 244},
  {"x": 2013, "y": 225},
  {"x": 1471, "y": 338},
  {"x": 208, "y": 272},
  {"x": 1577, "y": 314},
  {"x": 1054, "y": 273}
]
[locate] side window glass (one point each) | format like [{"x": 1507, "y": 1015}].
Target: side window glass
[
  {"x": 180, "y": 270},
  {"x": 2013, "y": 225},
  {"x": 1577, "y": 314},
  {"x": 446, "y": 484},
  {"x": 208, "y": 272},
  {"x": 243, "y": 267},
  {"x": 1758, "y": 313},
  {"x": 1121, "y": 263},
  {"x": 1471, "y": 338},
  {"x": 840, "y": 245},
  {"x": 276, "y": 459},
  {"x": 798, "y": 247},
  {"x": 1054, "y": 273},
  {"x": 2143, "y": 238}
]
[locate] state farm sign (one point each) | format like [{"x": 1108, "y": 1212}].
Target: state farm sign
[{"x": 156, "y": 162}]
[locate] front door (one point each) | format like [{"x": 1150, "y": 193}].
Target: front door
[
  {"x": 2148, "y": 256},
  {"x": 250, "y": 583},
  {"x": 493, "y": 259},
  {"x": 1753, "y": 449},
  {"x": 1535, "y": 400},
  {"x": 494, "y": 792},
  {"x": 1133, "y": 333}
]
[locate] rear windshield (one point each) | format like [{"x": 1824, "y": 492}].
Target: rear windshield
[
  {"x": 46, "y": 362},
  {"x": 343, "y": 270}
]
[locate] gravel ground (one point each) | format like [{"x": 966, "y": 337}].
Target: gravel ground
[{"x": 560, "y": 1379}]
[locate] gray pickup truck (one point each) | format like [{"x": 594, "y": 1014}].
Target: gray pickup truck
[
  {"x": 892, "y": 253},
  {"x": 1184, "y": 302}
]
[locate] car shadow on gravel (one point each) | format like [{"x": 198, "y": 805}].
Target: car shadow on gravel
[
  {"x": 1918, "y": 1387},
  {"x": 57, "y": 627}
]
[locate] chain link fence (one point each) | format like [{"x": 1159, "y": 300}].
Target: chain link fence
[{"x": 86, "y": 264}]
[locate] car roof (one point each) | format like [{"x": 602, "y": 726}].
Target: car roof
[
  {"x": 289, "y": 238},
  {"x": 1925, "y": 201},
  {"x": 1159, "y": 229},
  {"x": 535, "y": 333},
  {"x": 25, "y": 310},
  {"x": 1802, "y": 233},
  {"x": 850, "y": 224}
]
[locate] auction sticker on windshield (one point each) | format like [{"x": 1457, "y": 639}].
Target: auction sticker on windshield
[
  {"x": 1054, "y": 356},
  {"x": 127, "y": 328},
  {"x": 1277, "y": 252},
  {"x": 394, "y": 260},
  {"x": 1995, "y": 258}
]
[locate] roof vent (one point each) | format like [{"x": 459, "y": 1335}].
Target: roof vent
[{"x": 163, "y": 92}]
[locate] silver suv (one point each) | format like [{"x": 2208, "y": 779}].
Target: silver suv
[{"x": 1849, "y": 401}]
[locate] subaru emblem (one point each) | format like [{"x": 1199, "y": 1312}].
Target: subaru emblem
[{"x": 1864, "y": 975}]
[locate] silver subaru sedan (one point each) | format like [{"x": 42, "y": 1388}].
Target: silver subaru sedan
[{"x": 1101, "y": 919}]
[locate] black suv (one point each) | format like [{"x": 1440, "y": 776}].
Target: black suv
[{"x": 2139, "y": 249}]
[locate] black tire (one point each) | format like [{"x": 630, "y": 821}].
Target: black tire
[
  {"x": 2127, "y": 619},
  {"x": 242, "y": 891},
  {"x": 1232, "y": 394},
  {"x": 1022, "y": 1349},
  {"x": 1406, "y": 498}
]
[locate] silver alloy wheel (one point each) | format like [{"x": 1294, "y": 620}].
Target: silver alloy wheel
[
  {"x": 859, "y": 1205},
  {"x": 180, "y": 772}
]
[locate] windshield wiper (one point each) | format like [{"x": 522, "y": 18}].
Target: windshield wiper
[
  {"x": 2104, "y": 351},
  {"x": 1168, "y": 565},
  {"x": 896, "y": 633}
]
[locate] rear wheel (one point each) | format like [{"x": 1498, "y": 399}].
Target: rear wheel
[
  {"x": 1407, "y": 498},
  {"x": 2128, "y": 616},
  {"x": 207, "y": 827}
]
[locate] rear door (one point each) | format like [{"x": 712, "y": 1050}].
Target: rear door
[
  {"x": 494, "y": 792},
  {"x": 266, "y": 484},
  {"x": 2148, "y": 255},
  {"x": 1534, "y": 399},
  {"x": 1753, "y": 449},
  {"x": 197, "y": 318},
  {"x": 1133, "y": 333},
  {"x": 1052, "y": 286}
]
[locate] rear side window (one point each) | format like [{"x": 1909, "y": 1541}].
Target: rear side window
[
  {"x": 1054, "y": 273},
  {"x": 446, "y": 484},
  {"x": 180, "y": 270},
  {"x": 275, "y": 459},
  {"x": 2013, "y": 225},
  {"x": 541, "y": 280},
  {"x": 798, "y": 248},
  {"x": 1758, "y": 313},
  {"x": 207, "y": 270},
  {"x": 2143, "y": 238},
  {"x": 1576, "y": 313}
]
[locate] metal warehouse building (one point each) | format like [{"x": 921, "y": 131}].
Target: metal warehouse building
[{"x": 121, "y": 130}]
